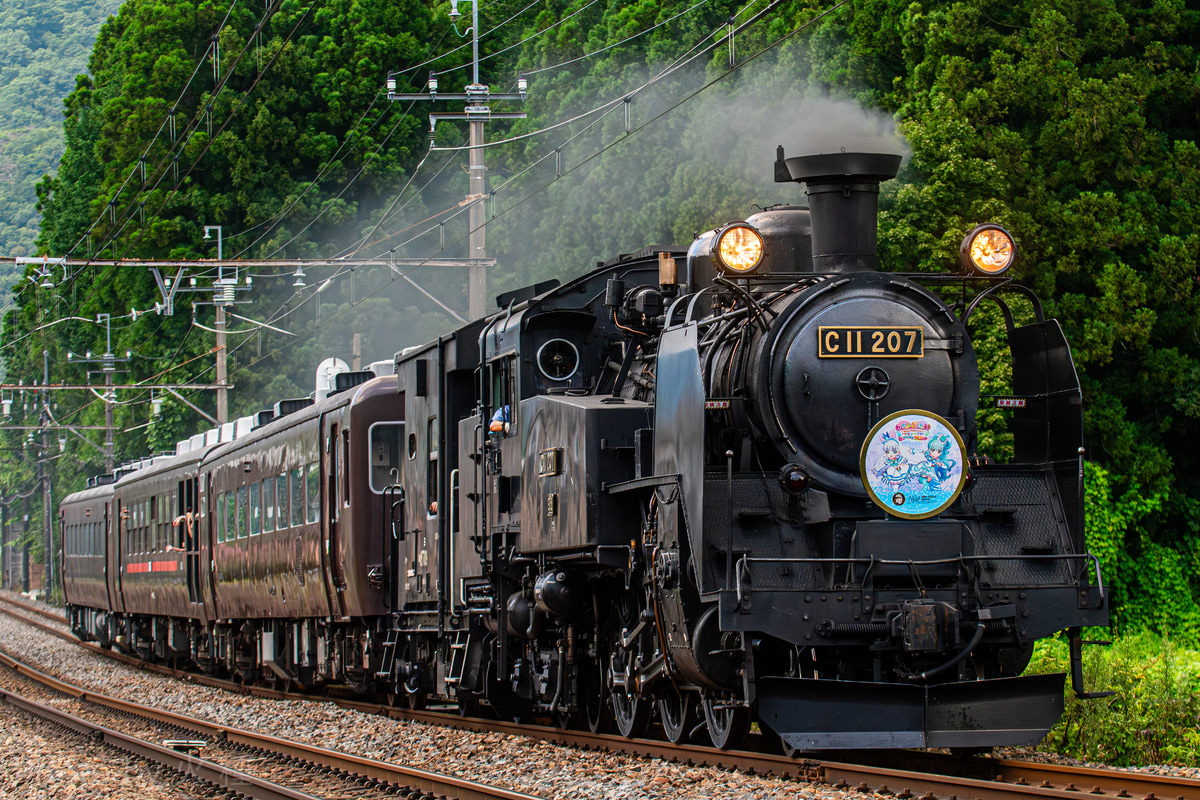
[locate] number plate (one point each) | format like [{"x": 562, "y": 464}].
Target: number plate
[{"x": 852, "y": 341}]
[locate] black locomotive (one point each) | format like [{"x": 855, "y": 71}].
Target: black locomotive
[{"x": 705, "y": 486}]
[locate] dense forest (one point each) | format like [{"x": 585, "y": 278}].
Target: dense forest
[
  {"x": 46, "y": 44},
  {"x": 1073, "y": 124}
]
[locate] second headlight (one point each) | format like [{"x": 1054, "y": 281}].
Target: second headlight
[
  {"x": 738, "y": 248},
  {"x": 988, "y": 249}
]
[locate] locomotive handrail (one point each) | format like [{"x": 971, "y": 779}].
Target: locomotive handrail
[
  {"x": 1038, "y": 396},
  {"x": 993, "y": 292},
  {"x": 872, "y": 560},
  {"x": 907, "y": 561}
]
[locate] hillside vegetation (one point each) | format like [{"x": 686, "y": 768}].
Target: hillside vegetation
[
  {"x": 1072, "y": 124},
  {"x": 45, "y": 45}
]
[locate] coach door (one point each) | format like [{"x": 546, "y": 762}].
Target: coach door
[
  {"x": 206, "y": 530},
  {"x": 188, "y": 514},
  {"x": 332, "y": 521},
  {"x": 112, "y": 554}
]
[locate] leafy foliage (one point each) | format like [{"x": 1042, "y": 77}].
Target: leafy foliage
[
  {"x": 45, "y": 44},
  {"x": 1070, "y": 124},
  {"x": 1151, "y": 718}
]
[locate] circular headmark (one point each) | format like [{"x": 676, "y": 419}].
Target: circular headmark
[{"x": 913, "y": 464}]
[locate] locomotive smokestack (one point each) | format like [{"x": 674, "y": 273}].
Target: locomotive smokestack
[{"x": 843, "y": 198}]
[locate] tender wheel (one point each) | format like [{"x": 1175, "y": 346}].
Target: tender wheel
[
  {"x": 728, "y": 725},
  {"x": 677, "y": 712}
]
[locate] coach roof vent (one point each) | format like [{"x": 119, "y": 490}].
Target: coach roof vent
[
  {"x": 263, "y": 417},
  {"x": 285, "y": 407},
  {"x": 348, "y": 380}
]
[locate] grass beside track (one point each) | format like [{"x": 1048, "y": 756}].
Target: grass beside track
[{"x": 1154, "y": 717}]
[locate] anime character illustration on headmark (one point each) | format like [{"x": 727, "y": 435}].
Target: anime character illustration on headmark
[{"x": 911, "y": 464}]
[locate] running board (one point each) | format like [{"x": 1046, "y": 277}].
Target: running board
[{"x": 813, "y": 714}]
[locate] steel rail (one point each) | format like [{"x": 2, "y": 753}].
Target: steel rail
[
  {"x": 905, "y": 773},
  {"x": 426, "y": 782},
  {"x": 41, "y": 612},
  {"x": 186, "y": 764}
]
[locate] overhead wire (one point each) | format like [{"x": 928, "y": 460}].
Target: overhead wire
[
  {"x": 232, "y": 114},
  {"x": 145, "y": 152},
  {"x": 383, "y": 217},
  {"x": 606, "y": 108},
  {"x": 181, "y": 142},
  {"x": 193, "y": 126},
  {"x": 277, "y": 315},
  {"x": 277, "y": 217},
  {"x": 452, "y": 51},
  {"x": 329, "y": 203},
  {"x": 733, "y": 68},
  {"x": 526, "y": 40}
]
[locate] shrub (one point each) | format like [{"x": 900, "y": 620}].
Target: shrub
[{"x": 1151, "y": 719}]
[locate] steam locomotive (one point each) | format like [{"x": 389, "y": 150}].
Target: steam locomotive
[{"x": 701, "y": 486}]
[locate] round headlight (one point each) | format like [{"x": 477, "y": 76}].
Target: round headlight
[
  {"x": 739, "y": 248},
  {"x": 988, "y": 249}
]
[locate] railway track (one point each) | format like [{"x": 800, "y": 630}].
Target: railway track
[
  {"x": 179, "y": 760},
  {"x": 340, "y": 774},
  {"x": 903, "y": 774}
]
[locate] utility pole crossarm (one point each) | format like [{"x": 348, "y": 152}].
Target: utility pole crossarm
[{"x": 477, "y": 96}]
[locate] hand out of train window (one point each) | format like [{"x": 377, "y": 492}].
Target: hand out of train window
[{"x": 500, "y": 421}]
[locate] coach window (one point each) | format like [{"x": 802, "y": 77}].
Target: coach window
[
  {"x": 152, "y": 526},
  {"x": 503, "y": 393},
  {"x": 312, "y": 491},
  {"x": 431, "y": 472},
  {"x": 242, "y": 524},
  {"x": 296, "y": 494},
  {"x": 385, "y": 454},
  {"x": 255, "y": 510},
  {"x": 268, "y": 513},
  {"x": 220, "y": 518},
  {"x": 230, "y": 516},
  {"x": 281, "y": 501}
]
